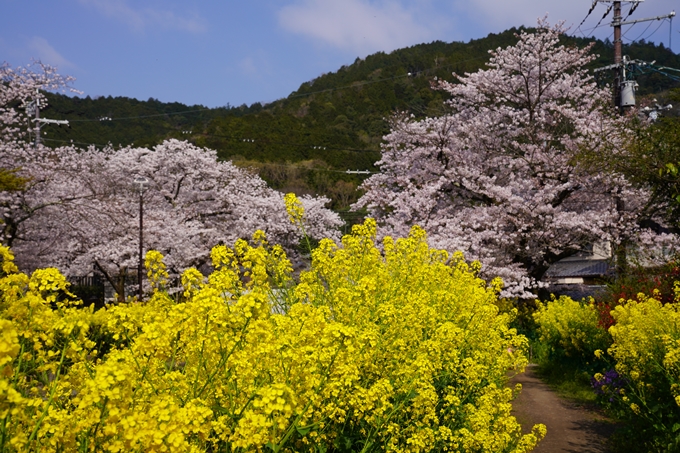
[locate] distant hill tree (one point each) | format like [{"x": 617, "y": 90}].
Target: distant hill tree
[{"x": 339, "y": 118}]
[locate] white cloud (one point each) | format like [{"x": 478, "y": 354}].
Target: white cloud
[
  {"x": 43, "y": 51},
  {"x": 140, "y": 19},
  {"x": 499, "y": 15},
  {"x": 355, "y": 25}
]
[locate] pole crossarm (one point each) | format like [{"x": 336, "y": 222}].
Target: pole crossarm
[
  {"x": 50, "y": 121},
  {"x": 631, "y": 22},
  {"x": 622, "y": 64}
]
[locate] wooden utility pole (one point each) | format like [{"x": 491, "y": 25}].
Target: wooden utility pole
[
  {"x": 624, "y": 94},
  {"x": 37, "y": 120},
  {"x": 141, "y": 182},
  {"x": 616, "y": 23}
]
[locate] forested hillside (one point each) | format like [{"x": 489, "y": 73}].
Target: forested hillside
[{"x": 306, "y": 141}]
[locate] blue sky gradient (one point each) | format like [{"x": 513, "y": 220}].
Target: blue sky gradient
[{"x": 216, "y": 53}]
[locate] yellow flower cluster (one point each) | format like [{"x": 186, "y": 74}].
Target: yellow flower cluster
[
  {"x": 156, "y": 270},
  {"x": 401, "y": 351},
  {"x": 571, "y": 328},
  {"x": 647, "y": 350},
  {"x": 294, "y": 208}
]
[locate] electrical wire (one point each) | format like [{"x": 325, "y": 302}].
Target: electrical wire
[
  {"x": 632, "y": 9},
  {"x": 298, "y": 145},
  {"x": 249, "y": 140},
  {"x": 643, "y": 32},
  {"x": 670, "y": 76},
  {"x": 588, "y": 30},
  {"x": 370, "y": 82},
  {"x": 71, "y": 142},
  {"x": 293, "y": 96},
  {"x": 592, "y": 8},
  {"x": 363, "y": 172},
  {"x": 656, "y": 29},
  {"x": 604, "y": 15},
  {"x": 155, "y": 115}
]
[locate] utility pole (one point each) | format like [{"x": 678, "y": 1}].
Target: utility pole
[
  {"x": 619, "y": 78},
  {"x": 141, "y": 181},
  {"x": 624, "y": 85},
  {"x": 624, "y": 94},
  {"x": 616, "y": 23},
  {"x": 39, "y": 121}
]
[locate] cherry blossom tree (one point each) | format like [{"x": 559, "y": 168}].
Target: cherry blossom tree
[
  {"x": 29, "y": 167},
  {"x": 79, "y": 208},
  {"x": 21, "y": 88},
  {"x": 191, "y": 203},
  {"x": 497, "y": 175}
]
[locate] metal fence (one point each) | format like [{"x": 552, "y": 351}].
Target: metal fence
[{"x": 91, "y": 289}]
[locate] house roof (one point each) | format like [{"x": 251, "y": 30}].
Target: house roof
[{"x": 580, "y": 268}]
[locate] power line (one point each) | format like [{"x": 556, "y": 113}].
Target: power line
[
  {"x": 644, "y": 31},
  {"x": 155, "y": 115},
  {"x": 589, "y": 30},
  {"x": 266, "y": 141},
  {"x": 73, "y": 142},
  {"x": 300, "y": 145},
  {"x": 329, "y": 90},
  {"x": 370, "y": 82},
  {"x": 592, "y": 8},
  {"x": 632, "y": 9},
  {"x": 348, "y": 172},
  {"x": 652, "y": 33},
  {"x": 609, "y": 8},
  {"x": 292, "y": 96}
]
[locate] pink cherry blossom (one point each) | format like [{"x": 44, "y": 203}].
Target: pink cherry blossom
[{"x": 498, "y": 177}]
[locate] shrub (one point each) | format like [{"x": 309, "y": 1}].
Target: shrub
[
  {"x": 646, "y": 349},
  {"x": 571, "y": 331},
  {"x": 396, "y": 351}
]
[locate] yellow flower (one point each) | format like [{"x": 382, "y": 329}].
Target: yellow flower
[
  {"x": 405, "y": 342},
  {"x": 294, "y": 208},
  {"x": 156, "y": 270}
]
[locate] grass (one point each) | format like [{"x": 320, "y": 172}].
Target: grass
[
  {"x": 568, "y": 382},
  {"x": 567, "y": 379}
]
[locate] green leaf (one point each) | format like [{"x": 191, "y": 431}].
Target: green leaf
[{"x": 303, "y": 431}]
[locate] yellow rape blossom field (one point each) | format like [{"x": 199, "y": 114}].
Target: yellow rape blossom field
[{"x": 399, "y": 348}]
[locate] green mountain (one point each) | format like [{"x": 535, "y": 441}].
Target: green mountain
[{"x": 307, "y": 141}]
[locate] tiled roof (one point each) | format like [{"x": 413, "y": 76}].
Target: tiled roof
[{"x": 581, "y": 268}]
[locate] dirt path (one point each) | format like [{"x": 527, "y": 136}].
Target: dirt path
[{"x": 571, "y": 428}]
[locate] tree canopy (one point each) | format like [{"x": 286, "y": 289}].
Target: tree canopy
[
  {"x": 496, "y": 175},
  {"x": 337, "y": 119},
  {"x": 79, "y": 208}
]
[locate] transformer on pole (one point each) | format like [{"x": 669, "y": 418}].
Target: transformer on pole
[{"x": 624, "y": 83}]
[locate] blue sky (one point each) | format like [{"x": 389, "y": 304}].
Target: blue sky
[{"x": 233, "y": 52}]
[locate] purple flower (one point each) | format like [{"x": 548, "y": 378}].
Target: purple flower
[{"x": 609, "y": 384}]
